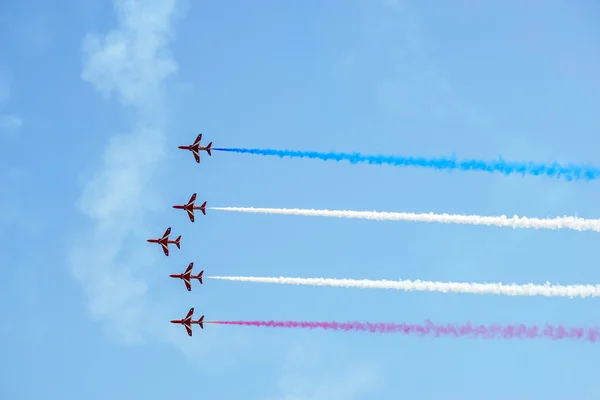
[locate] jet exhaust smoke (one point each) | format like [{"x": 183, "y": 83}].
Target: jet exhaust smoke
[
  {"x": 574, "y": 223},
  {"x": 529, "y": 289},
  {"x": 429, "y": 329},
  {"x": 568, "y": 172}
]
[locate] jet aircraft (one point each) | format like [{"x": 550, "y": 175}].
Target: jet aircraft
[
  {"x": 188, "y": 321},
  {"x": 164, "y": 241},
  {"x": 187, "y": 276},
  {"x": 190, "y": 207},
  {"x": 195, "y": 148}
]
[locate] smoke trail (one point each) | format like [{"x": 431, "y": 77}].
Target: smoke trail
[
  {"x": 494, "y": 331},
  {"x": 569, "y": 172},
  {"x": 529, "y": 289},
  {"x": 574, "y": 223}
]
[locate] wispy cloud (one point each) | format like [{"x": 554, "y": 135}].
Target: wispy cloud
[
  {"x": 132, "y": 64},
  {"x": 5, "y": 83},
  {"x": 351, "y": 386},
  {"x": 10, "y": 124},
  {"x": 339, "y": 379}
]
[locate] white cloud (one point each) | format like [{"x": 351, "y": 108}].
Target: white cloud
[
  {"x": 354, "y": 384},
  {"x": 310, "y": 372},
  {"x": 131, "y": 63},
  {"x": 10, "y": 124},
  {"x": 5, "y": 82}
]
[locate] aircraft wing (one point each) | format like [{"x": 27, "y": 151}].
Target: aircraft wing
[
  {"x": 192, "y": 199},
  {"x": 196, "y": 155},
  {"x": 190, "y": 313},
  {"x": 167, "y": 233},
  {"x": 190, "y": 214},
  {"x": 198, "y": 139},
  {"x": 189, "y": 268},
  {"x": 187, "y": 285},
  {"x": 165, "y": 249},
  {"x": 188, "y": 328}
]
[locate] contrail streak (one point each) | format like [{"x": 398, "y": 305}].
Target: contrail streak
[
  {"x": 574, "y": 223},
  {"x": 494, "y": 331},
  {"x": 529, "y": 289},
  {"x": 568, "y": 172}
]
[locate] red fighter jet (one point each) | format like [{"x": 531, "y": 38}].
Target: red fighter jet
[
  {"x": 164, "y": 241},
  {"x": 187, "y": 276},
  {"x": 195, "y": 148},
  {"x": 190, "y": 207},
  {"x": 188, "y": 322}
]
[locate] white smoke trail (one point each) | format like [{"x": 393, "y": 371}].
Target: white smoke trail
[
  {"x": 513, "y": 289},
  {"x": 574, "y": 223}
]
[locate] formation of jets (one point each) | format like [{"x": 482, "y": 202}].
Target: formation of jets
[{"x": 164, "y": 241}]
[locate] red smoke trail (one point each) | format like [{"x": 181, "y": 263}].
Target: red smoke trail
[{"x": 494, "y": 331}]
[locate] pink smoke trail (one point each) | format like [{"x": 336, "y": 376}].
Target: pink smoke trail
[{"x": 494, "y": 331}]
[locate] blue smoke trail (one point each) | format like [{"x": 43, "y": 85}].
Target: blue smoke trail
[{"x": 568, "y": 172}]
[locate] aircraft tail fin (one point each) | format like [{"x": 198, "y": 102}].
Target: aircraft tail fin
[
  {"x": 200, "y": 276},
  {"x": 203, "y": 208},
  {"x": 208, "y": 148},
  {"x": 201, "y": 322},
  {"x": 177, "y": 242}
]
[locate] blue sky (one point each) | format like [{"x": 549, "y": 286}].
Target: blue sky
[{"x": 95, "y": 97}]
